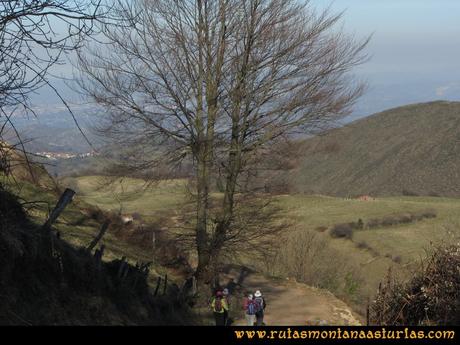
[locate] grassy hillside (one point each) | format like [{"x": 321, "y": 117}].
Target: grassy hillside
[
  {"x": 413, "y": 149},
  {"x": 350, "y": 268}
]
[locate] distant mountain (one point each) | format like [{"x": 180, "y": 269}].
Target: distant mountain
[{"x": 413, "y": 149}]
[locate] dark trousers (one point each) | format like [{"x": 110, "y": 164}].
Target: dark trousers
[
  {"x": 220, "y": 319},
  {"x": 225, "y": 317},
  {"x": 260, "y": 318}
]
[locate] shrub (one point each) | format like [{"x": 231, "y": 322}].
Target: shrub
[
  {"x": 362, "y": 245},
  {"x": 96, "y": 214},
  {"x": 342, "y": 231},
  {"x": 136, "y": 216},
  {"x": 397, "y": 259},
  {"x": 429, "y": 214},
  {"x": 431, "y": 297},
  {"x": 360, "y": 224},
  {"x": 389, "y": 221},
  {"x": 406, "y": 218},
  {"x": 373, "y": 223}
]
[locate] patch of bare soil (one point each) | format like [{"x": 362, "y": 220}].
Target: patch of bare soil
[{"x": 293, "y": 304}]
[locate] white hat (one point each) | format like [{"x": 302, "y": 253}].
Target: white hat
[{"x": 258, "y": 294}]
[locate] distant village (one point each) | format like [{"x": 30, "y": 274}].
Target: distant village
[{"x": 64, "y": 155}]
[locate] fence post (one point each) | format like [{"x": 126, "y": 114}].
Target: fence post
[
  {"x": 153, "y": 245},
  {"x": 99, "y": 236},
  {"x": 158, "y": 286},
  {"x": 194, "y": 288},
  {"x": 64, "y": 200},
  {"x": 367, "y": 313},
  {"x": 166, "y": 284},
  {"x": 120, "y": 269}
]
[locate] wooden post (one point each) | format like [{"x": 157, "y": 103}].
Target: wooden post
[
  {"x": 64, "y": 200},
  {"x": 368, "y": 313},
  {"x": 166, "y": 284},
  {"x": 194, "y": 288},
  {"x": 99, "y": 236},
  {"x": 158, "y": 286},
  {"x": 153, "y": 245},
  {"x": 98, "y": 256},
  {"x": 120, "y": 269}
]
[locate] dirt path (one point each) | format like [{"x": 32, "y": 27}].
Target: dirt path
[{"x": 294, "y": 304}]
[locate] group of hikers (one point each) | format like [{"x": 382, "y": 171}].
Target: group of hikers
[{"x": 253, "y": 304}]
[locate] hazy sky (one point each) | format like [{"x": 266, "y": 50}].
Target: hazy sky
[
  {"x": 415, "y": 49},
  {"x": 412, "y": 40}
]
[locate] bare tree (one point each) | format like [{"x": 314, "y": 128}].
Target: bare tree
[
  {"x": 34, "y": 36},
  {"x": 219, "y": 82}
]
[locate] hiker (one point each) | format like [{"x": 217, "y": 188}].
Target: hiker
[
  {"x": 226, "y": 297},
  {"x": 218, "y": 306},
  {"x": 249, "y": 306},
  {"x": 260, "y": 308}
]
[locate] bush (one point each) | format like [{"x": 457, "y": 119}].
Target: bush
[
  {"x": 389, "y": 221},
  {"x": 342, "y": 231},
  {"x": 362, "y": 245},
  {"x": 429, "y": 214},
  {"x": 406, "y": 218},
  {"x": 397, "y": 259},
  {"x": 137, "y": 216},
  {"x": 374, "y": 223},
  {"x": 432, "y": 297}
]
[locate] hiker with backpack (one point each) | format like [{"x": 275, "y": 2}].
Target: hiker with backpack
[
  {"x": 226, "y": 297},
  {"x": 259, "y": 301},
  {"x": 219, "y": 307},
  {"x": 249, "y": 306}
]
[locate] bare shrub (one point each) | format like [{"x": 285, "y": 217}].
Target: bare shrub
[
  {"x": 362, "y": 245},
  {"x": 397, "y": 259},
  {"x": 373, "y": 223},
  {"x": 310, "y": 259},
  {"x": 431, "y": 297},
  {"x": 96, "y": 214},
  {"x": 342, "y": 231},
  {"x": 137, "y": 216},
  {"x": 405, "y": 218},
  {"x": 389, "y": 221},
  {"x": 429, "y": 214}
]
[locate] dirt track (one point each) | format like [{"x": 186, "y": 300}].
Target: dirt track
[{"x": 294, "y": 304}]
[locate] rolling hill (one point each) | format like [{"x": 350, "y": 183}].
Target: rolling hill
[{"x": 410, "y": 150}]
